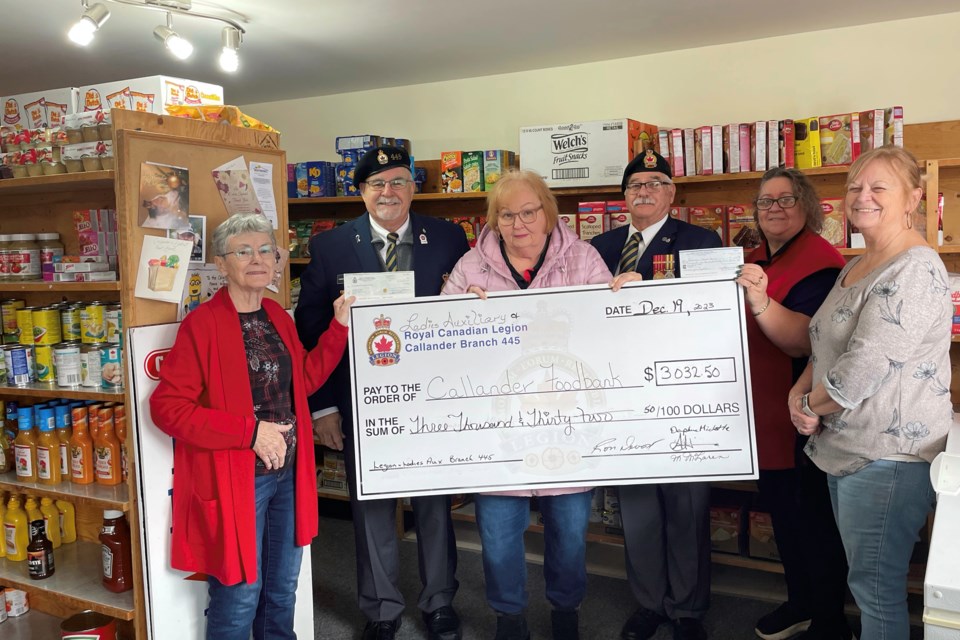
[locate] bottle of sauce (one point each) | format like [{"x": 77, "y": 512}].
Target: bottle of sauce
[
  {"x": 68, "y": 521},
  {"x": 81, "y": 448},
  {"x": 107, "y": 450},
  {"x": 51, "y": 521},
  {"x": 32, "y": 509},
  {"x": 64, "y": 432},
  {"x": 6, "y": 452},
  {"x": 3, "y": 514},
  {"x": 15, "y": 532},
  {"x": 39, "y": 552},
  {"x": 93, "y": 425},
  {"x": 115, "y": 538},
  {"x": 9, "y": 427},
  {"x": 25, "y": 447},
  {"x": 48, "y": 449},
  {"x": 120, "y": 427}
]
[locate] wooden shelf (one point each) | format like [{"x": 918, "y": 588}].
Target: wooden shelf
[
  {"x": 299, "y": 260},
  {"x": 95, "y": 495},
  {"x": 330, "y": 495},
  {"x": 731, "y": 560},
  {"x": 63, "y": 287},
  {"x": 41, "y": 390},
  {"x": 76, "y": 583},
  {"x": 31, "y": 626},
  {"x": 61, "y": 183}
]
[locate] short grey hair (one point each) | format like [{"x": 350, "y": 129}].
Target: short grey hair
[{"x": 237, "y": 224}]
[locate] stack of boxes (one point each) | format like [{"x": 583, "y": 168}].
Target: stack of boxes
[
  {"x": 332, "y": 474},
  {"x": 96, "y": 260},
  {"x": 474, "y": 171}
]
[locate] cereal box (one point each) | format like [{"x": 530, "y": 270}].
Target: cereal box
[
  {"x": 473, "y": 171},
  {"x": 725, "y": 526},
  {"x": 577, "y": 154},
  {"x": 834, "y": 222},
  {"x": 496, "y": 162},
  {"x": 710, "y": 217},
  {"x": 807, "y": 143},
  {"x": 839, "y": 139},
  {"x": 451, "y": 172},
  {"x": 741, "y": 227},
  {"x": 152, "y": 94}
]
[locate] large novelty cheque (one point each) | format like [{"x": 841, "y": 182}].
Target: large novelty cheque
[{"x": 552, "y": 388}]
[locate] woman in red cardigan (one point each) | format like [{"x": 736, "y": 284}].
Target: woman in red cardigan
[{"x": 233, "y": 394}]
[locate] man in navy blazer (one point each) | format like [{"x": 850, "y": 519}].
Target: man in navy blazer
[
  {"x": 387, "y": 237},
  {"x": 666, "y": 527}
]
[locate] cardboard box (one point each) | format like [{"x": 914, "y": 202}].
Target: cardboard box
[
  {"x": 731, "y": 148},
  {"x": 152, "y": 94},
  {"x": 569, "y": 219},
  {"x": 469, "y": 226},
  {"x": 580, "y": 154},
  {"x": 677, "y": 163},
  {"x": 703, "y": 150},
  {"x": 834, "y": 222},
  {"x": 689, "y": 152},
  {"x": 617, "y": 214},
  {"x": 663, "y": 144},
  {"x": 893, "y": 126},
  {"x": 763, "y": 544},
  {"x": 871, "y": 129},
  {"x": 807, "y": 136},
  {"x": 742, "y": 228},
  {"x": 496, "y": 162},
  {"x": 591, "y": 219},
  {"x": 773, "y": 144},
  {"x": 680, "y": 213},
  {"x": 451, "y": 172},
  {"x": 758, "y": 146},
  {"x": 839, "y": 139},
  {"x": 787, "y": 138},
  {"x": 356, "y": 143},
  {"x": 39, "y": 109},
  {"x": 745, "y": 163},
  {"x": 472, "y": 171},
  {"x": 712, "y": 217},
  {"x": 716, "y": 139},
  {"x": 647, "y": 138},
  {"x": 726, "y": 523},
  {"x": 321, "y": 179}
]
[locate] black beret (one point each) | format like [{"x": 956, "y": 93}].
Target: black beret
[
  {"x": 649, "y": 160},
  {"x": 380, "y": 159}
]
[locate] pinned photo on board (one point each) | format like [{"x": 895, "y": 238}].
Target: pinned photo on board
[
  {"x": 164, "y": 196},
  {"x": 195, "y": 233}
]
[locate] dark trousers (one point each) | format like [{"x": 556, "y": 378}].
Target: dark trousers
[
  {"x": 378, "y": 550},
  {"x": 814, "y": 564}
]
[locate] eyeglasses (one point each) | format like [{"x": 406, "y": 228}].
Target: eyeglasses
[
  {"x": 527, "y": 215},
  {"x": 396, "y": 184},
  {"x": 267, "y": 253},
  {"x": 653, "y": 186},
  {"x": 785, "y": 202}
]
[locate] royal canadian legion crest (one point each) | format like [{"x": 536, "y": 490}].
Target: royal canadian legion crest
[
  {"x": 383, "y": 345},
  {"x": 382, "y": 157}
]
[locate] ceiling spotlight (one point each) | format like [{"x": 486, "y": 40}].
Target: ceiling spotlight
[
  {"x": 92, "y": 19},
  {"x": 179, "y": 47},
  {"x": 229, "y": 58}
]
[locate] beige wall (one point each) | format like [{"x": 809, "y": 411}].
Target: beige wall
[{"x": 907, "y": 62}]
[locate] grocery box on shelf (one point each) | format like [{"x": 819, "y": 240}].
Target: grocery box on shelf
[
  {"x": 151, "y": 94},
  {"x": 741, "y": 227},
  {"x": 839, "y": 139},
  {"x": 726, "y": 523},
  {"x": 473, "y": 165},
  {"x": 763, "y": 543},
  {"x": 834, "y": 228},
  {"x": 807, "y": 143},
  {"x": 39, "y": 109},
  {"x": 579, "y": 154}
]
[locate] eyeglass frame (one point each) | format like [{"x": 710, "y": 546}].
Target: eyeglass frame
[
  {"x": 373, "y": 184},
  {"x": 241, "y": 251},
  {"x": 637, "y": 187},
  {"x": 514, "y": 216},
  {"x": 757, "y": 204}
]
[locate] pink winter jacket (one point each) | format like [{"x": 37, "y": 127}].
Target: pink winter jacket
[{"x": 569, "y": 261}]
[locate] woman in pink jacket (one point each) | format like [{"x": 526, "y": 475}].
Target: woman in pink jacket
[{"x": 522, "y": 247}]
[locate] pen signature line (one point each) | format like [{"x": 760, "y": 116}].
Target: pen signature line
[
  {"x": 662, "y": 453},
  {"x": 535, "y": 393},
  {"x": 451, "y": 464}
]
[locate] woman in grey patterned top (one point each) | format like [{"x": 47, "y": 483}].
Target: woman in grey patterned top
[{"x": 876, "y": 394}]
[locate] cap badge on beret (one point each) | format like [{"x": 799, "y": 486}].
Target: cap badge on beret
[
  {"x": 382, "y": 157},
  {"x": 650, "y": 160}
]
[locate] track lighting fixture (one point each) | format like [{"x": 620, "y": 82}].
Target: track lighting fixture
[
  {"x": 93, "y": 17},
  {"x": 178, "y": 46}
]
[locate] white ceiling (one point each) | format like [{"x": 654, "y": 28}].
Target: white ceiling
[{"x": 300, "y": 48}]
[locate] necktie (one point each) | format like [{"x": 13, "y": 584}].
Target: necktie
[
  {"x": 631, "y": 250},
  {"x": 390, "y": 261}
]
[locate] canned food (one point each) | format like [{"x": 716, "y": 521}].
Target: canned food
[
  {"x": 8, "y": 313},
  {"x": 111, "y": 366},
  {"x": 44, "y": 363},
  {"x": 70, "y": 323},
  {"x": 88, "y": 625},
  {"x": 19, "y": 364},
  {"x": 46, "y": 326},
  {"x": 90, "y": 364},
  {"x": 25, "y": 325},
  {"x": 66, "y": 360},
  {"x": 91, "y": 322},
  {"x": 113, "y": 321},
  {"x": 17, "y": 602}
]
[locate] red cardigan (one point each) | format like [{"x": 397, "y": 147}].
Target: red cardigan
[{"x": 204, "y": 402}]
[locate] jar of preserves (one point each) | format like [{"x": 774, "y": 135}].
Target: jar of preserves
[{"x": 23, "y": 257}]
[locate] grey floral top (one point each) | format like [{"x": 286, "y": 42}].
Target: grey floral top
[{"x": 881, "y": 348}]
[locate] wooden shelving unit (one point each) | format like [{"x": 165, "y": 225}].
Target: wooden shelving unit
[{"x": 94, "y": 495}]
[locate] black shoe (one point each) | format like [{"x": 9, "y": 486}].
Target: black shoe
[
  {"x": 442, "y": 624},
  {"x": 566, "y": 624},
  {"x": 785, "y": 621},
  {"x": 688, "y": 629},
  {"x": 381, "y": 629},
  {"x": 512, "y": 627},
  {"x": 642, "y": 624}
]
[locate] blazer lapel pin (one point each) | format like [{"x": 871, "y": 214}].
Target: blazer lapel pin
[
  {"x": 423, "y": 236},
  {"x": 358, "y": 238}
]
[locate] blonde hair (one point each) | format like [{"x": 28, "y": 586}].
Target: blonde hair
[
  {"x": 509, "y": 183},
  {"x": 899, "y": 160}
]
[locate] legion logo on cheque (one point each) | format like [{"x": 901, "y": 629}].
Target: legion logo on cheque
[{"x": 383, "y": 345}]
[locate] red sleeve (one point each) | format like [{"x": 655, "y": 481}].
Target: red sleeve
[
  {"x": 178, "y": 405},
  {"x": 324, "y": 358}
]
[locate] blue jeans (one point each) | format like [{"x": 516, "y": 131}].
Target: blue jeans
[
  {"x": 880, "y": 510},
  {"x": 266, "y": 606},
  {"x": 502, "y": 521}
]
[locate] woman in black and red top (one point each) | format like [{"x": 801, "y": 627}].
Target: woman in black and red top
[{"x": 785, "y": 281}]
